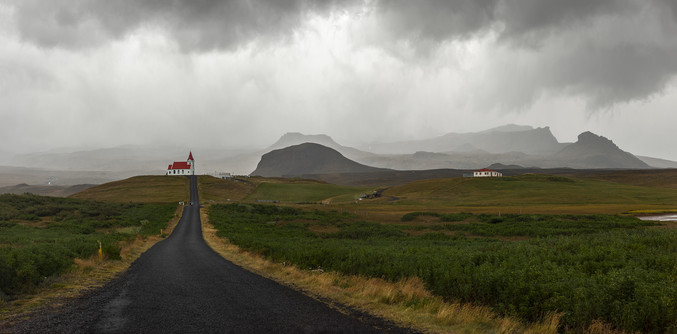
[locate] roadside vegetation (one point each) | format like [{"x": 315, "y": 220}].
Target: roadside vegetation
[
  {"x": 42, "y": 237},
  {"x": 583, "y": 270}
]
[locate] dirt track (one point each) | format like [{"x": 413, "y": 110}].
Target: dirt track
[{"x": 180, "y": 285}]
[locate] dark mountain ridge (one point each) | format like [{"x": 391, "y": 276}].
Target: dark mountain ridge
[
  {"x": 598, "y": 152},
  {"x": 296, "y": 138},
  {"x": 307, "y": 158},
  {"x": 498, "y": 146}
]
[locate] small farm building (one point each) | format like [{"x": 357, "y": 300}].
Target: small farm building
[{"x": 484, "y": 172}]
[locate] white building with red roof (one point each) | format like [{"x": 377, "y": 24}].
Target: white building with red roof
[
  {"x": 182, "y": 167},
  {"x": 485, "y": 172}
]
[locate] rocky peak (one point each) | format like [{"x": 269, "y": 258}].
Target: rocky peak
[
  {"x": 593, "y": 151},
  {"x": 590, "y": 139}
]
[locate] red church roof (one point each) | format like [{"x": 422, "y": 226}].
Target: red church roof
[
  {"x": 485, "y": 170},
  {"x": 179, "y": 165},
  {"x": 190, "y": 156}
]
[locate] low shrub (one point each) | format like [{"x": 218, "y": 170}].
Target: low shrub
[
  {"x": 590, "y": 268},
  {"x": 71, "y": 229}
]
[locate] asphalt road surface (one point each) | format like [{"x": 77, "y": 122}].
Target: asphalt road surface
[{"x": 180, "y": 285}]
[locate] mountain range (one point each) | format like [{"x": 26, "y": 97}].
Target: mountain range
[
  {"x": 516, "y": 145},
  {"x": 508, "y": 145},
  {"x": 508, "y": 138}
]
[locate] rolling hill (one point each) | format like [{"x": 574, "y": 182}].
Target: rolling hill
[
  {"x": 535, "y": 193},
  {"x": 144, "y": 189},
  {"x": 307, "y": 159},
  {"x": 295, "y": 138},
  {"x": 45, "y": 190}
]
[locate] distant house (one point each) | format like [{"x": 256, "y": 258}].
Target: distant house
[
  {"x": 484, "y": 172},
  {"x": 182, "y": 167},
  {"x": 226, "y": 176}
]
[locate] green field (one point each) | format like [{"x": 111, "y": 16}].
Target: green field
[
  {"x": 533, "y": 193},
  {"x": 222, "y": 190},
  {"x": 141, "y": 189},
  {"x": 41, "y": 236},
  {"x": 305, "y": 192},
  {"x": 527, "y": 246},
  {"x": 616, "y": 269},
  {"x": 530, "y": 193}
]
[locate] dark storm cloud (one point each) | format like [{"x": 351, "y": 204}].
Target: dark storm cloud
[
  {"x": 607, "y": 51},
  {"x": 436, "y": 19},
  {"x": 195, "y": 24},
  {"x": 205, "y": 24},
  {"x": 443, "y": 20},
  {"x": 617, "y": 74},
  {"x": 586, "y": 48}
]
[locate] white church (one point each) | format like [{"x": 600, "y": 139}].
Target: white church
[{"x": 182, "y": 167}]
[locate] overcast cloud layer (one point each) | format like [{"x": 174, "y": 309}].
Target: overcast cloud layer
[{"x": 241, "y": 73}]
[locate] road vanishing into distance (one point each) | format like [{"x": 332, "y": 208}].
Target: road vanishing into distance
[{"x": 181, "y": 285}]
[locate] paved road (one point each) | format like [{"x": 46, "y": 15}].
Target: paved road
[{"x": 180, "y": 285}]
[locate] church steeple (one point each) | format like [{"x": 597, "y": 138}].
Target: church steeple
[{"x": 191, "y": 163}]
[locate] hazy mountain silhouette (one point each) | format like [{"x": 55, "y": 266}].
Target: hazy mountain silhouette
[
  {"x": 658, "y": 163},
  {"x": 307, "y": 159},
  {"x": 509, "y": 145},
  {"x": 457, "y": 160},
  {"x": 508, "y": 138},
  {"x": 509, "y": 128},
  {"x": 296, "y": 138},
  {"x": 593, "y": 151}
]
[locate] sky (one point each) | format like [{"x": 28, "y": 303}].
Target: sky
[{"x": 204, "y": 73}]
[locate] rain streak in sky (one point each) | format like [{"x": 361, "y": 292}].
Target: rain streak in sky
[{"x": 99, "y": 73}]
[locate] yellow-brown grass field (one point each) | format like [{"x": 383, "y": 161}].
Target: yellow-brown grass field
[{"x": 142, "y": 189}]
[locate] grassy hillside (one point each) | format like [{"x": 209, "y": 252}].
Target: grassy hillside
[
  {"x": 531, "y": 193},
  {"x": 305, "y": 192},
  {"x": 289, "y": 190},
  {"x": 49, "y": 190},
  {"x": 144, "y": 189},
  {"x": 662, "y": 178},
  {"x": 222, "y": 190}
]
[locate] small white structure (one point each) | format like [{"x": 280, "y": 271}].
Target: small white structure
[
  {"x": 181, "y": 167},
  {"x": 484, "y": 172}
]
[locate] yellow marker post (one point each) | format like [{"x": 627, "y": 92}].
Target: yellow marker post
[{"x": 100, "y": 251}]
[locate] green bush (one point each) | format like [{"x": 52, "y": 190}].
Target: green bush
[
  {"x": 413, "y": 215},
  {"x": 111, "y": 251},
  {"x": 588, "y": 267},
  {"x": 72, "y": 230}
]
